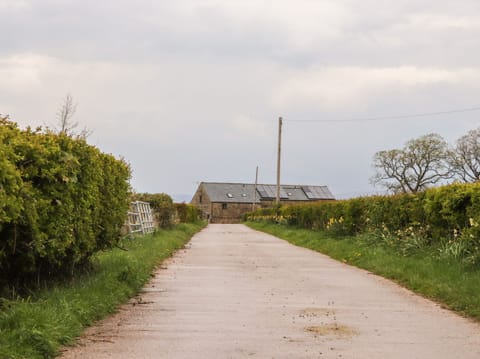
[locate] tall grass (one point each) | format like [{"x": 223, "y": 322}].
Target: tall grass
[
  {"x": 37, "y": 326},
  {"x": 454, "y": 283}
]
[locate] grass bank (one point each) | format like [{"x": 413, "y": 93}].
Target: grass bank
[
  {"x": 36, "y": 327},
  {"x": 448, "y": 281}
]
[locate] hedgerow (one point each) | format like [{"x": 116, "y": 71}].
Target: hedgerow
[
  {"x": 61, "y": 200},
  {"x": 187, "y": 213},
  {"x": 162, "y": 207},
  {"x": 448, "y": 217},
  {"x": 166, "y": 212}
]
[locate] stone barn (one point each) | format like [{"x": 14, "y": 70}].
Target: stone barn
[{"x": 228, "y": 202}]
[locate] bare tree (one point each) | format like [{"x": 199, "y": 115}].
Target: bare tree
[
  {"x": 64, "y": 116},
  {"x": 465, "y": 157},
  {"x": 421, "y": 163},
  {"x": 65, "y": 124},
  {"x": 390, "y": 170}
]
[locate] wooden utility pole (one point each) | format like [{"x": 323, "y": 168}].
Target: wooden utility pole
[
  {"x": 277, "y": 199},
  {"x": 255, "y": 190}
]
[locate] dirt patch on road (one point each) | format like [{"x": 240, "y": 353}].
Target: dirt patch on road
[
  {"x": 332, "y": 329},
  {"x": 316, "y": 312}
]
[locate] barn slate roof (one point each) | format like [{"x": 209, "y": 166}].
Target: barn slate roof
[{"x": 244, "y": 192}]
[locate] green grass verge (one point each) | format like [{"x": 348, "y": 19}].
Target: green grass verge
[
  {"x": 38, "y": 326},
  {"x": 454, "y": 284}
]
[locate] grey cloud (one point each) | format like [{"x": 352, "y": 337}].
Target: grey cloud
[
  {"x": 145, "y": 31},
  {"x": 195, "y": 87}
]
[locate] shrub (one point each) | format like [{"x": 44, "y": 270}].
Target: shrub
[
  {"x": 162, "y": 207},
  {"x": 61, "y": 200},
  {"x": 187, "y": 213}
]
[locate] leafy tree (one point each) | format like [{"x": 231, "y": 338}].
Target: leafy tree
[
  {"x": 465, "y": 157},
  {"x": 421, "y": 163}
]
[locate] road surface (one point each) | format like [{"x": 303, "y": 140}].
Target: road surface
[{"x": 237, "y": 293}]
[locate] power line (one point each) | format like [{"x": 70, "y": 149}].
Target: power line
[{"x": 397, "y": 117}]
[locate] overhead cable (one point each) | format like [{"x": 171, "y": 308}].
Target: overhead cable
[{"x": 388, "y": 118}]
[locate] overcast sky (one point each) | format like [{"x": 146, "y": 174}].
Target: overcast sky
[{"x": 191, "y": 90}]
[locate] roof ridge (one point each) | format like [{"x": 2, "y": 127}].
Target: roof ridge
[{"x": 265, "y": 184}]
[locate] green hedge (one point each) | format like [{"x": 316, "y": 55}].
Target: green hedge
[
  {"x": 187, "y": 213},
  {"x": 61, "y": 200},
  {"x": 444, "y": 215},
  {"x": 162, "y": 207},
  {"x": 166, "y": 212}
]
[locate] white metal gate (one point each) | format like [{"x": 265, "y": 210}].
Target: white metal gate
[{"x": 140, "y": 218}]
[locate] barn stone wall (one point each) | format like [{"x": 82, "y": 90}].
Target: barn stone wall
[
  {"x": 202, "y": 201},
  {"x": 229, "y": 212}
]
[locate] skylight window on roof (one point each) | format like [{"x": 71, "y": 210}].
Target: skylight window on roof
[
  {"x": 244, "y": 195},
  {"x": 263, "y": 193},
  {"x": 230, "y": 195}
]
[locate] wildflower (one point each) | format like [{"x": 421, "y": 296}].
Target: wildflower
[{"x": 455, "y": 233}]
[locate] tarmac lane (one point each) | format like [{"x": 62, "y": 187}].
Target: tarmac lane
[{"x": 237, "y": 293}]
